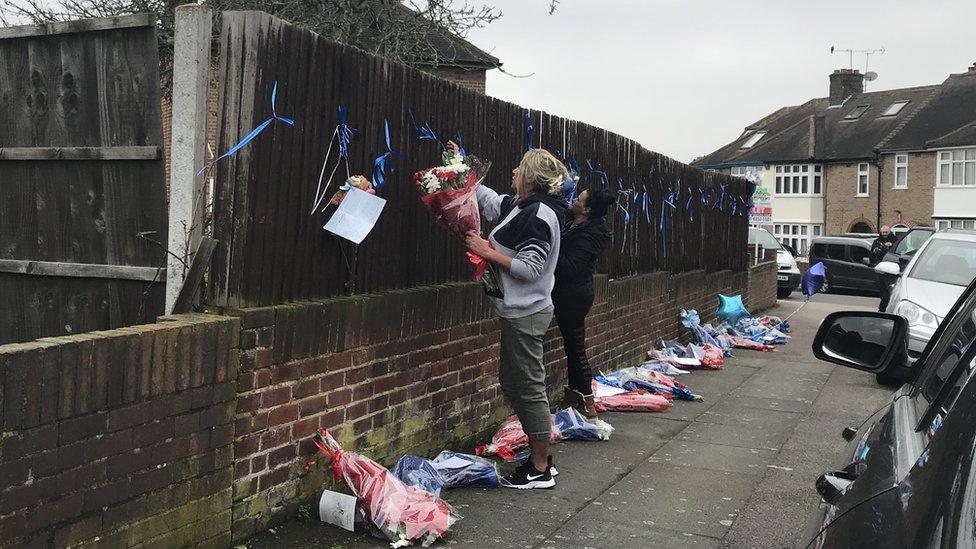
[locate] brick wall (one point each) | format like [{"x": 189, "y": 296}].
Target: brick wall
[
  {"x": 762, "y": 286},
  {"x": 470, "y": 79},
  {"x": 844, "y": 208},
  {"x": 119, "y": 438},
  {"x": 915, "y": 203},
  {"x": 415, "y": 371}
]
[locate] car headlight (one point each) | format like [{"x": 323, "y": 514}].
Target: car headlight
[{"x": 917, "y": 315}]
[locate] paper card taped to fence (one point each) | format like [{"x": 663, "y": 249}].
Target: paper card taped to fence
[
  {"x": 338, "y": 509},
  {"x": 356, "y": 215}
]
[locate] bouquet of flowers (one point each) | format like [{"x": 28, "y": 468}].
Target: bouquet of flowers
[
  {"x": 448, "y": 193},
  {"x": 399, "y": 513}
]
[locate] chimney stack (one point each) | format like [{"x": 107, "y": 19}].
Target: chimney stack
[
  {"x": 972, "y": 69},
  {"x": 845, "y": 83}
]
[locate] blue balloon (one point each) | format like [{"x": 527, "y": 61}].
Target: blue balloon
[
  {"x": 813, "y": 279},
  {"x": 730, "y": 309}
]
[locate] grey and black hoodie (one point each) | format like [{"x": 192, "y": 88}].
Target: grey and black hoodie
[{"x": 528, "y": 230}]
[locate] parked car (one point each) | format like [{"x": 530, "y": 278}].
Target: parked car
[
  {"x": 787, "y": 273},
  {"x": 932, "y": 281},
  {"x": 908, "y": 475},
  {"x": 848, "y": 263},
  {"x": 907, "y": 245}
]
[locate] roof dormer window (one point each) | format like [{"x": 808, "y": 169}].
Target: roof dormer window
[
  {"x": 857, "y": 112},
  {"x": 895, "y": 108},
  {"x": 753, "y": 139}
]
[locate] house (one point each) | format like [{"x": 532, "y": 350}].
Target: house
[{"x": 856, "y": 160}]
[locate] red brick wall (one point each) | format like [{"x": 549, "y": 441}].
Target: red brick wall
[
  {"x": 412, "y": 371},
  {"x": 119, "y": 437},
  {"x": 470, "y": 79},
  {"x": 762, "y": 286}
]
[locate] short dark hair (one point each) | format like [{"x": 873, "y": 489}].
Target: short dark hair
[{"x": 599, "y": 200}]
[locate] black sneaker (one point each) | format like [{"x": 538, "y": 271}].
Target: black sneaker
[
  {"x": 526, "y": 477},
  {"x": 552, "y": 467}
]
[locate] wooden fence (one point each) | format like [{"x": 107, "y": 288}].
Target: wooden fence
[
  {"x": 271, "y": 250},
  {"x": 81, "y": 176}
]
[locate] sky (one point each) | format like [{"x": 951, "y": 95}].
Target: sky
[{"x": 684, "y": 78}]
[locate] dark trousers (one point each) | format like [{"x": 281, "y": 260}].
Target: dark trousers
[
  {"x": 571, "y": 317},
  {"x": 884, "y": 288}
]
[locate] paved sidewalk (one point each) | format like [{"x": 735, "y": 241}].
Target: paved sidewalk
[{"x": 736, "y": 470}]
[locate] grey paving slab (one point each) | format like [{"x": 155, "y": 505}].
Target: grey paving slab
[
  {"x": 599, "y": 535},
  {"x": 717, "y": 457},
  {"x": 737, "y": 435},
  {"x": 731, "y": 413},
  {"x": 685, "y": 499}
]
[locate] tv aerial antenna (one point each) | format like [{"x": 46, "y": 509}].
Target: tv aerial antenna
[{"x": 869, "y": 76}]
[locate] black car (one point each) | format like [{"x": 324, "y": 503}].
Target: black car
[
  {"x": 908, "y": 476},
  {"x": 848, "y": 263}
]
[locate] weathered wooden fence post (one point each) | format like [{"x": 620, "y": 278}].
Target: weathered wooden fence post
[{"x": 191, "y": 84}]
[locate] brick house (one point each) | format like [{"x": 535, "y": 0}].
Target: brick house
[{"x": 856, "y": 160}]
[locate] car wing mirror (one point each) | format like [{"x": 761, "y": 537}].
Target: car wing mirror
[
  {"x": 862, "y": 340},
  {"x": 888, "y": 268},
  {"x": 831, "y": 486}
]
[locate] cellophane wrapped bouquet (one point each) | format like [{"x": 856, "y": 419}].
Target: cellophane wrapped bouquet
[
  {"x": 402, "y": 514},
  {"x": 448, "y": 193}
]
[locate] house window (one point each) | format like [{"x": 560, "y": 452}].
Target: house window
[
  {"x": 753, "y": 139},
  {"x": 862, "y": 179},
  {"x": 943, "y": 224},
  {"x": 799, "y": 180},
  {"x": 894, "y": 108},
  {"x": 957, "y": 167},
  {"x": 797, "y": 235},
  {"x": 857, "y": 112},
  {"x": 901, "y": 171}
]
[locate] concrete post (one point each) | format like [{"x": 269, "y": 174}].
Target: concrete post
[{"x": 191, "y": 84}]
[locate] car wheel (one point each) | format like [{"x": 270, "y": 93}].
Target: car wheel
[{"x": 783, "y": 293}]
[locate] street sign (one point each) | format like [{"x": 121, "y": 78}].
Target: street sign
[{"x": 762, "y": 209}]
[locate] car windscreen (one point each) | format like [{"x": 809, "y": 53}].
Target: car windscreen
[
  {"x": 912, "y": 241},
  {"x": 946, "y": 261},
  {"x": 764, "y": 239}
]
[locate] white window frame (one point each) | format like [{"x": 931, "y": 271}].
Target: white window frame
[
  {"x": 962, "y": 223},
  {"x": 947, "y": 163},
  {"x": 901, "y": 163},
  {"x": 897, "y": 107},
  {"x": 798, "y": 176},
  {"x": 753, "y": 139},
  {"x": 863, "y": 170},
  {"x": 798, "y": 235}
]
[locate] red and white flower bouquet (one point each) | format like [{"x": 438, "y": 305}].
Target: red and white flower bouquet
[{"x": 449, "y": 194}]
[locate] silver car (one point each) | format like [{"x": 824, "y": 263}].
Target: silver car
[{"x": 931, "y": 282}]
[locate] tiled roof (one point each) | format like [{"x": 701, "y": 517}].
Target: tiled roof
[{"x": 940, "y": 115}]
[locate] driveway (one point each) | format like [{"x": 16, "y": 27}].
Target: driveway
[{"x": 736, "y": 470}]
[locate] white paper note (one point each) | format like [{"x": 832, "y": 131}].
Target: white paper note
[
  {"x": 356, "y": 215},
  {"x": 338, "y": 509},
  {"x": 606, "y": 390},
  {"x": 451, "y": 463}
]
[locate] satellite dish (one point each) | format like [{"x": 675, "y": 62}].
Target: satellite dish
[{"x": 870, "y": 76}]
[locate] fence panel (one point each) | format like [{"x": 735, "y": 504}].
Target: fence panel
[
  {"x": 272, "y": 250},
  {"x": 81, "y": 177}
]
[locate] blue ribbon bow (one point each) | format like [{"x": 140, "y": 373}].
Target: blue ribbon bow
[
  {"x": 421, "y": 132},
  {"x": 646, "y": 203},
  {"x": 344, "y": 131},
  {"x": 721, "y": 198},
  {"x": 254, "y": 133},
  {"x": 595, "y": 168},
  {"x": 529, "y": 132},
  {"x": 663, "y": 228},
  {"x": 626, "y": 196},
  {"x": 460, "y": 143},
  {"x": 380, "y": 164}
]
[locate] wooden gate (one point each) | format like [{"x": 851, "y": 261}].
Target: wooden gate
[{"x": 82, "y": 191}]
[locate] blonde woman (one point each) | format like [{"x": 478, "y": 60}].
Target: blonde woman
[{"x": 525, "y": 246}]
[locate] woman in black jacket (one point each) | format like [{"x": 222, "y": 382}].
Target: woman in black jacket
[{"x": 583, "y": 240}]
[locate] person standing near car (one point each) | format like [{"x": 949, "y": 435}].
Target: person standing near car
[
  {"x": 886, "y": 239},
  {"x": 583, "y": 240}
]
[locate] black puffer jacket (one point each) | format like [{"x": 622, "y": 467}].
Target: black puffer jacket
[{"x": 579, "y": 251}]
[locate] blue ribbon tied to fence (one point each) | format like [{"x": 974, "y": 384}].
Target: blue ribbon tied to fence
[
  {"x": 646, "y": 203},
  {"x": 595, "y": 168},
  {"x": 421, "y": 132},
  {"x": 343, "y": 134},
  {"x": 256, "y": 131},
  {"x": 459, "y": 141},
  {"x": 720, "y": 203},
  {"x": 663, "y": 227},
  {"x": 380, "y": 166},
  {"x": 529, "y": 132},
  {"x": 626, "y": 197}
]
